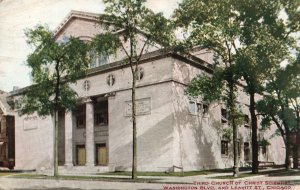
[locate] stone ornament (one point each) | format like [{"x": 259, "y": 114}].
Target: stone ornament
[
  {"x": 140, "y": 73},
  {"x": 111, "y": 80},
  {"x": 86, "y": 85}
]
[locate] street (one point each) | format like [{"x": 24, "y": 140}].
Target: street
[{"x": 199, "y": 182}]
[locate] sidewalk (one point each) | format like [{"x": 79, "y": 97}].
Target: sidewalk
[
  {"x": 188, "y": 179},
  {"x": 158, "y": 182}
]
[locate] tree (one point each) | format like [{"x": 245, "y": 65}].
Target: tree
[
  {"x": 267, "y": 39},
  {"x": 213, "y": 25},
  {"x": 281, "y": 105},
  {"x": 130, "y": 20},
  {"x": 294, "y": 99},
  {"x": 253, "y": 32},
  {"x": 54, "y": 65}
]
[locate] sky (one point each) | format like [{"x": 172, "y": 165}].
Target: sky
[{"x": 17, "y": 15}]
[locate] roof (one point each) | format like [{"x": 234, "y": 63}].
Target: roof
[
  {"x": 188, "y": 58},
  {"x": 76, "y": 14},
  {"x": 4, "y": 106}
]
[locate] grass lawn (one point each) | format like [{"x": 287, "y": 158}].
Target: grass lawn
[
  {"x": 241, "y": 175},
  {"x": 177, "y": 174},
  {"x": 5, "y": 174},
  {"x": 171, "y": 174},
  {"x": 86, "y": 178},
  {"x": 277, "y": 172}
]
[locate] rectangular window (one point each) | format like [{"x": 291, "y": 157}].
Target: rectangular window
[
  {"x": 80, "y": 116},
  {"x": 224, "y": 115},
  {"x": 192, "y": 107},
  {"x": 98, "y": 60},
  {"x": 224, "y": 148},
  {"x": 80, "y": 121},
  {"x": 205, "y": 108},
  {"x": 246, "y": 120},
  {"x": 264, "y": 149},
  {"x": 197, "y": 107},
  {"x": 101, "y": 118},
  {"x": 101, "y": 113}
]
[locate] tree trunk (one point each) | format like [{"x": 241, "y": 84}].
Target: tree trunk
[
  {"x": 235, "y": 131},
  {"x": 295, "y": 156},
  {"x": 134, "y": 132},
  {"x": 235, "y": 150},
  {"x": 231, "y": 105},
  {"x": 255, "y": 162},
  {"x": 297, "y": 146},
  {"x": 55, "y": 148},
  {"x": 288, "y": 149},
  {"x": 56, "y": 106}
]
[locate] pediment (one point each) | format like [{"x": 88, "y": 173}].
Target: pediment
[
  {"x": 80, "y": 24},
  {"x": 86, "y": 25}
]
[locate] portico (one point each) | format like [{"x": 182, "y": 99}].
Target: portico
[{"x": 86, "y": 134}]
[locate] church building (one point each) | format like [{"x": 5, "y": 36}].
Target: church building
[{"x": 174, "y": 131}]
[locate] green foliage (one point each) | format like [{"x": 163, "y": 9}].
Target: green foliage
[
  {"x": 213, "y": 25},
  {"x": 106, "y": 43},
  {"x": 209, "y": 88},
  {"x": 264, "y": 142},
  {"x": 280, "y": 103},
  {"x": 249, "y": 40},
  {"x": 128, "y": 18},
  {"x": 227, "y": 133},
  {"x": 53, "y": 66},
  {"x": 251, "y": 34},
  {"x": 265, "y": 123},
  {"x": 282, "y": 96}
]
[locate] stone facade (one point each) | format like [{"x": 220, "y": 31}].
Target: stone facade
[{"x": 173, "y": 131}]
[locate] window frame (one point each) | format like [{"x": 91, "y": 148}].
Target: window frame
[
  {"x": 83, "y": 118},
  {"x": 224, "y": 118},
  {"x": 98, "y": 60},
  {"x": 198, "y": 107},
  {"x": 97, "y": 115},
  {"x": 246, "y": 120},
  {"x": 224, "y": 152}
]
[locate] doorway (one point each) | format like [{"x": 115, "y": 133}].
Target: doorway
[
  {"x": 80, "y": 155},
  {"x": 101, "y": 154}
]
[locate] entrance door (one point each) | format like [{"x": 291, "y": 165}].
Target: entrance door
[
  {"x": 80, "y": 155},
  {"x": 101, "y": 154}
]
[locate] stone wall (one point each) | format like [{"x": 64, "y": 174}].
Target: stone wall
[{"x": 34, "y": 142}]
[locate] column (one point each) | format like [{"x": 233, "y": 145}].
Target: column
[
  {"x": 89, "y": 137},
  {"x": 68, "y": 139}
]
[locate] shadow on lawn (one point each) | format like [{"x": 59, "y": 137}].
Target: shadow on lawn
[{"x": 285, "y": 173}]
